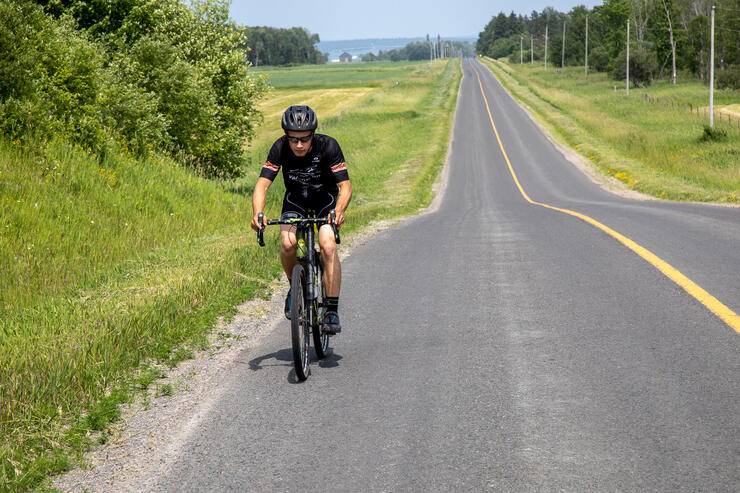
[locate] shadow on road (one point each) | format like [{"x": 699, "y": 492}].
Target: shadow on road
[{"x": 284, "y": 357}]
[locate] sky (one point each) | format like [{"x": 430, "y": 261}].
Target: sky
[{"x": 350, "y": 19}]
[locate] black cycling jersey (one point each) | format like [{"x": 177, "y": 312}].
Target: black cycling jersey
[{"x": 318, "y": 171}]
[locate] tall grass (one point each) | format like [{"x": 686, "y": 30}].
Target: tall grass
[
  {"x": 648, "y": 140},
  {"x": 109, "y": 266}
]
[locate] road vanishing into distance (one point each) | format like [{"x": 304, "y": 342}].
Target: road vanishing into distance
[{"x": 509, "y": 341}]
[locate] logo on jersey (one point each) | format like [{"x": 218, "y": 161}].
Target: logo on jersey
[{"x": 305, "y": 176}]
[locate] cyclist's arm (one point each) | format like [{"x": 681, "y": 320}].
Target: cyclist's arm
[
  {"x": 258, "y": 200},
  {"x": 343, "y": 199}
]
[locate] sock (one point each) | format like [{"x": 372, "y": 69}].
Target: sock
[{"x": 332, "y": 304}]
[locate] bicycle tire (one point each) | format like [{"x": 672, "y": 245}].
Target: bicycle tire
[
  {"x": 320, "y": 339},
  {"x": 300, "y": 323}
]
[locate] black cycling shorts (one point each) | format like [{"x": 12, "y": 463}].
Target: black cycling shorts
[{"x": 316, "y": 204}]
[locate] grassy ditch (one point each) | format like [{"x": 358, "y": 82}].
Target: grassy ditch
[
  {"x": 653, "y": 140},
  {"x": 114, "y": 269}
]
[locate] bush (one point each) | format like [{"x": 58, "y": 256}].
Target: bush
[
  {"x": 598, "y": 59},
  {"x": 713, "y": 134},
  {"x": 50, "y": 77},
  {"x": 728, "y": 79},
  {"x": 643, "y": 66}
]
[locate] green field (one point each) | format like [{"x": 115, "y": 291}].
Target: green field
[
  {"x": 652, "y": 140},
  {"x": 114, "y": 268},
  {"x": 337, "y": 75}
]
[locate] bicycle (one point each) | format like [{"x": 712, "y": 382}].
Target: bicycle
[{"x": 307, "y": 292}]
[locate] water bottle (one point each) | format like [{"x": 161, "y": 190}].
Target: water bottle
[{"x": 301, "y": 245}]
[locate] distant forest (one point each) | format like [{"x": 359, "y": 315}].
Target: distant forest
[
  {"x": 666, "y": 36},
  {"x": 275, "y": 46},
  {"x": 423, "y": 50}
]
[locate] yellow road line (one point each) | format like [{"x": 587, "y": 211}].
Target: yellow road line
[{"x": 706, "y": 299}]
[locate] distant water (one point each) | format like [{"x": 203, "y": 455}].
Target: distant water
[{"x": 359, "y": 47}]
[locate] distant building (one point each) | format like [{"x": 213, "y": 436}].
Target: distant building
[{"x": 345, "y": 57}]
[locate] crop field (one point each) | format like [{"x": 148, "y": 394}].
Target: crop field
[
  {"x": 653, "y": 140},
  {"x": 337, "y": 75},
  {"x": 114, "y": 268}
]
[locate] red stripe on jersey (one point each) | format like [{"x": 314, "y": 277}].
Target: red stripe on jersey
[
  {"x": 271, "y": 166},
  {"x": 339, "y": 167}
]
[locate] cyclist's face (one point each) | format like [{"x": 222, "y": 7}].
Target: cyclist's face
[{"x": 300, "y": 142}]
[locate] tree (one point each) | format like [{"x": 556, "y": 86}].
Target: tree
[{"x": 667, "y": 7}]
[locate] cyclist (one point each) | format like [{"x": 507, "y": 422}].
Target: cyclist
[{"x": 316, "y": 179}]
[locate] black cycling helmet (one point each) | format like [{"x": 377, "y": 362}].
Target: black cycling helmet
[{"x": 299, "y": 119}]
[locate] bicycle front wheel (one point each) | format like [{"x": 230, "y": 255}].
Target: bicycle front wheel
[{"x": 300, "y": 322}]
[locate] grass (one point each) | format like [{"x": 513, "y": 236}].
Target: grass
[
  {"x": 115, "y": 268},
  {"x": 651, "y": 141}
]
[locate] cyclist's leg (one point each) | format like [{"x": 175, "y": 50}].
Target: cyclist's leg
[
  {"x": 287, "y": 248},
  {"x": 292, "y": 208},
  {"x": 332, "y": 271},
  {"x": 330, "y": 257},
  {"x": 328, "y": 246}
]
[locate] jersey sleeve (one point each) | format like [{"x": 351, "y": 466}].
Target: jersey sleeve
[
  {"x": 272, "y": 166},
  {"x": 337, "y": 162}
]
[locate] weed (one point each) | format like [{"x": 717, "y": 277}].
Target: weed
[{"x": 713, "y": 134}]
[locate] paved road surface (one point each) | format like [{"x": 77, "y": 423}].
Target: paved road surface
[{"x": 496, "y": 345}]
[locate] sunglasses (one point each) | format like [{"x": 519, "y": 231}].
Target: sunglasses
[{"x": 303, "y": 140}]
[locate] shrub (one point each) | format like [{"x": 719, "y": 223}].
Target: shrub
[
  {"x": 713, "y": 134},
  {"x": 729, "y": 78},
  {"x": 152, "y": 73},
  {"x": 50, "y": 76},
  {"x": 598, "y": 59}
]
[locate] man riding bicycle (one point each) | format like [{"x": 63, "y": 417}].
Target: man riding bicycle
[{"x": 316, "y": 181}]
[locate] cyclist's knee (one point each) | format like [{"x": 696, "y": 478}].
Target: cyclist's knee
[
  {"x": 328, "y": 247},
  {"x": 287, "y": 247},
  {"x": 287, "y": 241}
]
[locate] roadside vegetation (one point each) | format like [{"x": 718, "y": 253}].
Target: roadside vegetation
[
  {"x": 656, "y": 140},
  {"x": 115, "y": 266}
]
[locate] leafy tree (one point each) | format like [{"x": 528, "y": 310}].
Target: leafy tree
[{"x": 156, "y": 73}]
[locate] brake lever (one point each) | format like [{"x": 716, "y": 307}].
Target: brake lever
[
  {"x": 260, "y": 232},
  {"x": 332, "y": 219}
]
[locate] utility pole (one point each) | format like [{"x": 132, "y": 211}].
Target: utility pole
[
  {"x": 711, "y": 74},
  {"x": 546, "y": 30},
  {"x": 521, "y": 50},
  {"x": 562, "y": 62},
  {"x": 585, "y": 63},
  {"x": 531, "y": 49},
  {"x": 628, "y": 58}
]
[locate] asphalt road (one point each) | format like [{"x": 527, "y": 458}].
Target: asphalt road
[{"x": 497, "y": 345}]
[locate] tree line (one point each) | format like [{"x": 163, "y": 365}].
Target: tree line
[
  {"x": 276, "y": 46},
  {"x": 666, "y": 37},
  {"x": 422, "y": 50}
]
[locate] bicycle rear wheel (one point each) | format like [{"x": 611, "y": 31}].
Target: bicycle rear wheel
[
  {"x": 300, "y": 322},
  {"x": 320, "y": 340}
]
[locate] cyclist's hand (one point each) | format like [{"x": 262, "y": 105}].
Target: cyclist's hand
[
  {"x": 339, "y": 219},
  {"x": 256, "y": 223}
]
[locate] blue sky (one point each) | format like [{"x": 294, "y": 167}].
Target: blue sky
[{"x": 348, "y": 19}]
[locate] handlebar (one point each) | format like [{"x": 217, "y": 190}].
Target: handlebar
[{"x": 298, "y": 222}]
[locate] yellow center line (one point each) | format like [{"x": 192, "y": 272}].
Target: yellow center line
[{"x": 712, "y": 303}]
